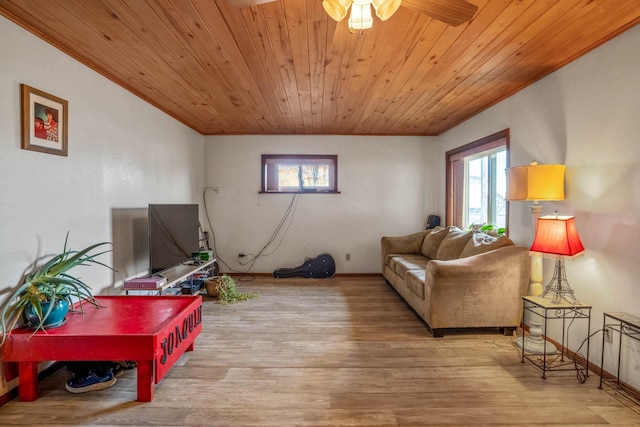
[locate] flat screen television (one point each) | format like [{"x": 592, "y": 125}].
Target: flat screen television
[{"x": 174, "y": 234}]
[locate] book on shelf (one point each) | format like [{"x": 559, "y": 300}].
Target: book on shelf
[{"x": 152, "y": 282}]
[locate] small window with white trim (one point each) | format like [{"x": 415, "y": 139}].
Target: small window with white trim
[{"x": 299, "y": 173}]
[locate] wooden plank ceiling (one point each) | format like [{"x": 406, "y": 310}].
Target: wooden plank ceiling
[{"x": 285, "y": 67}]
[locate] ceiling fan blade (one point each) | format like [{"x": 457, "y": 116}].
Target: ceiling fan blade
[
  {"x": 247, "y": 3},
  {"x": 452, "y": 12}
]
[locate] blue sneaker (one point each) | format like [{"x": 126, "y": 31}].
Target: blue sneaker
[{"x": 91, "y": 382}]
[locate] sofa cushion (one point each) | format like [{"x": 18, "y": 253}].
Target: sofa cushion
[
  {"x": 415, "y": 282},
  {"x": 392, "y": 260},
  {"x": 406, "y": 262},
  {"x": 453, "y": 244},
  {"x": 481, "y": 243},
  {"x": 432, "y": 241}
]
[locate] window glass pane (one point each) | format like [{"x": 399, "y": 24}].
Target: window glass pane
[
  {"x": 500, "y": 220},
  {"x": 476, "y": 199},
  {"x": 315, "y": 176},
  {"x": 485, "y": 188},
  {"x": 288, "y": 177}
]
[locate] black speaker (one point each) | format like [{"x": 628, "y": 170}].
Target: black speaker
[{"x": 433, "y": 221}]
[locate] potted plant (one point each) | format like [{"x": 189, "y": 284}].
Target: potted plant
[
  {"x": 489, "y": 229},
  {"x": 224, "y": 288},
  {"x": 46, "y": 293},
  {"x": 493, "y": 230}
]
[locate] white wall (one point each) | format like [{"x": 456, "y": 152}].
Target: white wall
[
  {"x": 123, "y": 154},
  {"x": 587, "y": 116},
  {"x": 383, "y": 191}
]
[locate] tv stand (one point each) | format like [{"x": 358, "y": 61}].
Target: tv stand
[{"x": 174, "y": 275}]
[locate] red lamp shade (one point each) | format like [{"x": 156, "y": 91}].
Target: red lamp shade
[{"x": 557, "y": 236}]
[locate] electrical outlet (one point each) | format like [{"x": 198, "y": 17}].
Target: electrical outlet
[
  {"x": 608, "y": 334},
  {"x": 241, "y": 255},
  {"x": 347, "y": 257}
]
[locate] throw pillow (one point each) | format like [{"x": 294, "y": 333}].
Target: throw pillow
[
  {"x": 481, "y": 243},
  {"x": 432, "y": 241},
  {"x": 453, "y": 244}
]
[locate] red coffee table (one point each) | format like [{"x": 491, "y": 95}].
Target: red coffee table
[{"x": 152, "y": 330}]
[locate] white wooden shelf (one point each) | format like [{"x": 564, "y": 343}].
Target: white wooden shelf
[{"x": 174, "y": 275}]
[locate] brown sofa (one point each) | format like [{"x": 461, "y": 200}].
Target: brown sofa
[{"x": 458, "y": 279}]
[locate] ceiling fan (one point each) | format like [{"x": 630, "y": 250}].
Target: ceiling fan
[{"x": 452, "y": 12}]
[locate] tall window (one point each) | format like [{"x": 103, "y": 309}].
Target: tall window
[
  {"x": 476, "y": 182},
  {"x": 299, "y": 173}
]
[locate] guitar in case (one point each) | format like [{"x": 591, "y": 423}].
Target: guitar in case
[{"x": 321, "y": 267}]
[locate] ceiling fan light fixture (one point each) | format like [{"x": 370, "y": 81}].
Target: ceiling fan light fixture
[
  {"x": 385, "y": 8},
  {"x": 336, "y": 9},
  {"x": 360, "y": 18}
]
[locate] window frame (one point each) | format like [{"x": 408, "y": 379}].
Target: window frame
[
  {"x": 455, "y": 176},
  {"x": 331, "y": 159}
]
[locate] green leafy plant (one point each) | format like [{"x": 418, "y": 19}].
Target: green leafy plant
[
  {"x": 486, "y": 228},
  {"x": 227, "y": 292},
  {"x": 51, "y": 282},
  {"x": 490, "y": 227}
]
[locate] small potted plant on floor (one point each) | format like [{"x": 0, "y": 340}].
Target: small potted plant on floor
[
  {"x": 45, "y": 295},
  {"x": 224, "y": 288}
]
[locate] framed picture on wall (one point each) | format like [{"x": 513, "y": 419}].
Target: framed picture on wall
[{"x": 44, "y": 121}]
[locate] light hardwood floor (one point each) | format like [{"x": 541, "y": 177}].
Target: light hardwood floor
[{"x": 334, "y": 352}]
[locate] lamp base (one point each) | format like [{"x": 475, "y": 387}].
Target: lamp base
[
  {"x": 559, "y": 287},
  {"x": 535, "y": 289},
  {"x": 535, "y": 347},
  {"x": 534, "y": 343}
]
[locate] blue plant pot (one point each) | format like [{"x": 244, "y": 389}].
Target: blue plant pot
[{"x": 56, "y": 318}]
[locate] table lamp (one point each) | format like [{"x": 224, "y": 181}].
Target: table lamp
[
  {"x": 557, "y": 238},
  {"x": 535, "y": 183}
]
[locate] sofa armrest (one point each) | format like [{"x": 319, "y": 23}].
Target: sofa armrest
[
  {"x": 480, "y": 290},
  {"x": 409, "y": 244}
]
